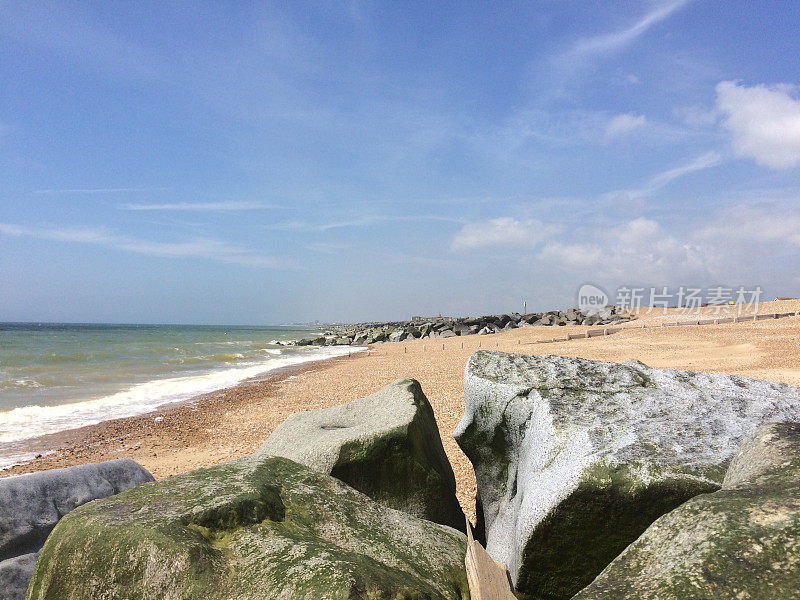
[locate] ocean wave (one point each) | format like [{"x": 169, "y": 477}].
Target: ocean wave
[
  {"x": 22, "y": 383},
  {"x": 228, "y": 357},
  {"x": 32, "y": 421}
]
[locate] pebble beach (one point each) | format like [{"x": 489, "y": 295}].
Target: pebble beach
[{"x": 233, "y": 422}]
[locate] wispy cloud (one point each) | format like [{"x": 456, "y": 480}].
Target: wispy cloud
[
  {"x": 622, "y": 124},
  {"x": 49, "y": 192},
  {"x": 503, "y": 232},
  {"x": 305, "y": 226},
  {"x": 202, "y": 206},
  {"x": 618, "y": 40},
  {"x": 705, "y": 161},
  {"x": 661, "y": 180},
  {"x": 326, "y": 248},
  {"x": 203, "y": 248},
  {"x": 582, "y": 56}
]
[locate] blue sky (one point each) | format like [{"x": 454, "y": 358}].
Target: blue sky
[{"x": 268, "y": 162}]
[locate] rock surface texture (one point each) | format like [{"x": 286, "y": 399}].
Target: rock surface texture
[
  {"x": 575, "y": 458},
  {"x": 386, "y": 445},
  {"x": 257, "y": 527},
  {"x": 742, "y": 542},
  {"x": 31, "y": 505}
]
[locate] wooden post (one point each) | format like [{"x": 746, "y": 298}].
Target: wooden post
[{"x": 487, "y": 579}]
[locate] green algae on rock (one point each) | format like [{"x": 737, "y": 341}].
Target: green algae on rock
[
  {"x": 575, "y": 458},
  {"x": 257, "y": 527},
  {"x": 386, "y": 445},
  {"x": 740, "y": 543}
]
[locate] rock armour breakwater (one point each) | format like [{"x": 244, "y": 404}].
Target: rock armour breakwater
[{"x": 446, "y": 327}]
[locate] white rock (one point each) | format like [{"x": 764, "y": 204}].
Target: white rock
[{"x": 575, "y": 458}]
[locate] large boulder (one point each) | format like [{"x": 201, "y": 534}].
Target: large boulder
[
  {"x": 575, "y": 458},
  {"x": 257, "y": 527},
  {"x": 461, "y": 329},
  {"x": 740, "y": 542},
  {"x": 386, "y": 445},
  {"x": 31, "y": 505}
]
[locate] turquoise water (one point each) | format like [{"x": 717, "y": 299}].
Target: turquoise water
[{"x": 61, "y": 376}]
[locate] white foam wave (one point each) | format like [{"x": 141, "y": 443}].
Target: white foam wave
[{"x": 32, "y": 421}]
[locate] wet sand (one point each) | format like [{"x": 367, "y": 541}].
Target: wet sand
[{"x": 233, "y": 422}]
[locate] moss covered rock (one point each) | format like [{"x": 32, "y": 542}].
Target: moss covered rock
[
  {"x": 252, "y": 528},
  {"x": 575, "y": 458},
  {"x": 740, "y": 543},
  {"x": 386, "y": 445}
]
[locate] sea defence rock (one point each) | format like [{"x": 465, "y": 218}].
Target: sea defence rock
[
  {"x": 31, "y": 505},
  {"x": 444, "y": 327},
  {"x": 386, "y": 445},
  {"x": 740, "y": 542},
  {"x": 257, "y": 527},
  {"x": 575, "y": 458}
]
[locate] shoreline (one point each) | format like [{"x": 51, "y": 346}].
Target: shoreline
[
  {"x": 80, "y": 444},
  {"x": 234, "y": 422}
]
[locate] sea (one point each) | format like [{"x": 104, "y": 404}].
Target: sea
[{"x": 56, "y": 376}]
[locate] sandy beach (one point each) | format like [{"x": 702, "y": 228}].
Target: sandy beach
[{"x": 233, "y": 422}]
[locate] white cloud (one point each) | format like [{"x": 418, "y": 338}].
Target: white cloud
[
  {"x": 745, "y": 225},
  {"x": 503, "y": 231},
  {"x": 745, "y": 245},
  {"x": 201, "y": 206},
  {"x": 749, "y": 246},
  {"x": 637, "y": 250},
  {"x": 210, "y": 249},
  {"x": 619, "y": 39},
  {"x": 764, "y": 122},
  {"x": 622, "y": 124}
]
